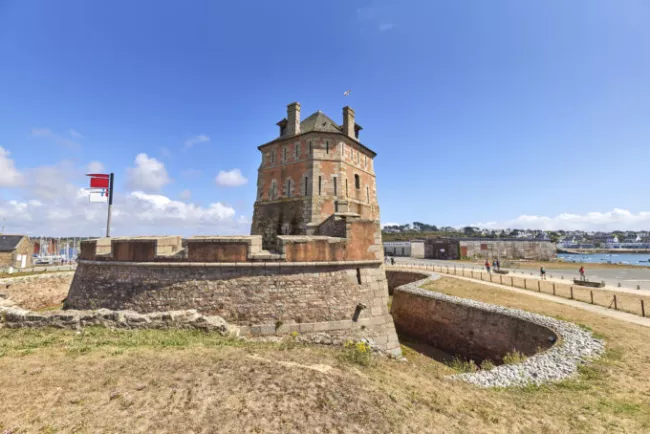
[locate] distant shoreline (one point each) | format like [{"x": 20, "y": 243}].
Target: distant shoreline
[{"x": 605, "y": 251}]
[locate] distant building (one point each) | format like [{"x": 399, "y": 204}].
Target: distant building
[
  {"x": 488, "y": 248},
  {"x": 417, "y": 248},
  {"x": 397, "y": 248},
  {"x": 15, "y": 251}
]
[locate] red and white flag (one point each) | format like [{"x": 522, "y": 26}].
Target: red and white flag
[{"x": 99, "y": 187}]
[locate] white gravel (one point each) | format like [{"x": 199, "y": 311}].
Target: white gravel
[{"x": 576, "y": 346}]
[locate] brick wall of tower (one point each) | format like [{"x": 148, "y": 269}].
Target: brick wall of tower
[{"x": 323, "y": 159}]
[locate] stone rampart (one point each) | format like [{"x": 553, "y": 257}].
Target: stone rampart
[
  {"x": 345, "y": 299},
  {"x": 475, "y": 330}
]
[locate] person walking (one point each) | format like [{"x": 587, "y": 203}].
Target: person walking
[
  {"x": 487, "y": 265},
  {"x": 497, "y": 265},
  {"x": 392, "y": 260},
  {"x": 542, "y": 273},
  {"x": 582, "y": 273}
]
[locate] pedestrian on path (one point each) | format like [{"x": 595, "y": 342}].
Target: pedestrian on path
[
  {"x": 542, "y": 273},
  {"x": 582, "y": 273},
  {"x": 487, "y": 265},
  {"x": 392, "y": 260}
]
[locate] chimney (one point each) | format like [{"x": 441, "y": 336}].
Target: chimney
[
  {"x": 348, "y": 122},
  {"x": 293, "y": 119}
]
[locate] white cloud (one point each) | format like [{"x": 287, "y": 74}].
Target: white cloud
[
  {"x": 185, "y": 194},
  {"x": 9, "y": 175},
  {"x": 96, "y": 167},
  {"x": 148, "y": 174},
  {"x": 53, "y": 202},
  {"x": 386, "y": 27},
  {"x": 231, "y": 178},
  {"x": 76, "y": 134},
  {"x": 592, "y": 221},
  {"x": 196, "y": 140},
  {"x": 59, "y": 140}
]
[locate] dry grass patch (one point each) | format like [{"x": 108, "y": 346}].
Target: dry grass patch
[{"x": 189, "y": 381}]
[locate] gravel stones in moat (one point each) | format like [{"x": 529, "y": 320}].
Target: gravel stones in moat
[{"x": 576, "y": 346}]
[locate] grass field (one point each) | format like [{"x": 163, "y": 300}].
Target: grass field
[{"x": 186, "y": 381}]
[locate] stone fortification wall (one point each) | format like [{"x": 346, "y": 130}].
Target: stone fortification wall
[
  {"x": 478, "y": 330},
  {"x": 509, "y": 249},
  {"x": 466, "y": 331},
  {"x": 339, "y": 299}
]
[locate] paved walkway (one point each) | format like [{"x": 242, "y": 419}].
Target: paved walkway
[{"x": 617, "y": 314}]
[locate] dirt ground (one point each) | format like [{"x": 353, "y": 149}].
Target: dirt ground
[
  {"x": 38, "y": 292},
  {"x": 123, "y": 381}
]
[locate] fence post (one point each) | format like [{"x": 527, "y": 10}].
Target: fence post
[
  {"x": 539, "y": 286},
  {"x": 642, "y": 308},
  {"x": 512, "y": 282},
  {"x": 591, "y": 293},
  {"x": 501, "y": 279},
  {"x": 525, "y": 286},
  {"x": 455, "y": 274},
  {"x": 572, "y": 293},
  {"x": 554, "y": 289},
  {"x": 615, "y": 306}
]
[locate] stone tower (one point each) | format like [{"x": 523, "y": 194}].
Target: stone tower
[{"x": 312, "y": 170}]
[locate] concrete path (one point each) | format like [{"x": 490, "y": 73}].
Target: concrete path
[
  {"x": 617, "y": 314},
  {"x": 629, "y": 277}
]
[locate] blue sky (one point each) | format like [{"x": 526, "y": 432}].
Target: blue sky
[{"x": 502, "y": 113}]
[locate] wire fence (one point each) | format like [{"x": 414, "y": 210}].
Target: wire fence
[{"x": 622, "y": 301}]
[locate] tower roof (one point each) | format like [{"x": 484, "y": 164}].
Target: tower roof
[{"x": 319, "y": 121}]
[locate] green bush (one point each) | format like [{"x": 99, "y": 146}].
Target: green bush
[
  {"x": 513, "y": 357},
  {"x": 357, "y": 352},
  {"x": 461, "y": 365},
  {"x": 487, "y": 365}
]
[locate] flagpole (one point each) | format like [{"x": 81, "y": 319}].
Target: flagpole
[{"x": 110, "y": 205}]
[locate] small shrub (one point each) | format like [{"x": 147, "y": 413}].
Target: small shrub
[
  {"x": 461, "y": 365},
  {"x": 278, "y": 324},
  {"x": 357, "y": 352},
  {"x": 487, "y": 365},
  {"x": 513, "y": 357}
]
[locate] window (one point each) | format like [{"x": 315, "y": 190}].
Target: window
[
  {"x": 367, "y": 194},
  {"x": 284, "y": 155},
  {"x": 319, "y": 185},
  {"x": 297, "y": 150},
  {"x": 310, "y": 148},
  {"x": 327, "y": 147},
  {"x": 272, "y": 156},
  {"x": 306, "y": 185},
  {"x": 334, "y": 179},
  {"x": 365, "y": 161},
  {"x": 357, "y": 181},
  {"x": 347, "y": 193},
  {"x": 283, "y": 131},
  {"x": 273, "y": 191},
  {"x": 288, "y": 188}
]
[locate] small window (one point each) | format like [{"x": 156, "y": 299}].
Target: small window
[
  {"x": 327, "y": 147},
  {"x": 310, "y": 148},
  {"x": 283, "y": 131},
  {"x": 288, "y": 188},
  {"x": 319, "y": 185},
  {"x": 284, "y": 155},
  {"x": 367, "y": 194},
  {"x": 334, "y": 179},
  {"x": 297, "y": 151},
  {"x": 306, "y": 185},
  {"x": 272, "y": 156},
  {"x": 347, "y": 193},
  {"x": 357, "y": 181},
  {"x": 365, "y": 161}
]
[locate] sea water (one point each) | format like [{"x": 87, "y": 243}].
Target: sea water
[{"x": 604, "y": 258}]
